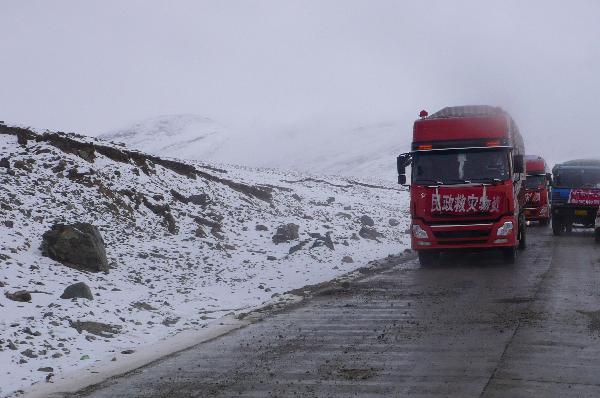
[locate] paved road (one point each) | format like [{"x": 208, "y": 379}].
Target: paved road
[{"x": 469, "y": 327}]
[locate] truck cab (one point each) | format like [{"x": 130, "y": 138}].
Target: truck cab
[
  {"x": 467, "y": 182},
  {"x": 537, "y": 190},
  {"x": 575, "y": 194}
]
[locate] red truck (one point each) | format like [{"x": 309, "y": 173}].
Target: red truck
[
  {"x": 467, "y": 182},
  {"x": 537, "y": 190}
]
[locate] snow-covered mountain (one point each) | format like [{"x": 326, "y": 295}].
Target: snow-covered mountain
[
  {"x": 329, "y": 149},
  {"x": 186, "y": 243},
  {"x": 178, "y": 136}
]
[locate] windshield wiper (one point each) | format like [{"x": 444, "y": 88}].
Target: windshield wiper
[
  {"x": 459, "y": 181},
  {"x": 425, "y": 181},
  {"x": 488, "y": 179}
]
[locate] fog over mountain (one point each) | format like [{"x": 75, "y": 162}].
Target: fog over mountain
[
  {"x": 271, "y": 69},
  {"x": 363, "y": 151}
]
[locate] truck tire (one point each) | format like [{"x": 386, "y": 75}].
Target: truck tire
[
  {"x": 597, "y": 235},
  {"x": 543, "y": 222},
  {"x": 556, "y": 226},
  {"x": 510, "y": 255},
  {"x": 428, "y": 257}
]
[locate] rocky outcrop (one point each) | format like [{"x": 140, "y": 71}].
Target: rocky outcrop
[
  {"x": 78, "y": 246},
  {"x": 286, "y": 233},
  {"x": 87, "y": 151}
]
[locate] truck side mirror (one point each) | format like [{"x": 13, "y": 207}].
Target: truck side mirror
[
  {"x": 401, "y": 162},
  {"x": 519, "y": 164}
]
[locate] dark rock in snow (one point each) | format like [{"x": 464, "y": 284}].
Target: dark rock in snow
[
  {"x": 22, "y": 138},
  {"x": 170, "y": 321},
  {"x": 78, "y": 245},
  {"x": 297, "y": 247},
  {"x": 369, "y": 233},
  {"x": 260, "y": 227},
  {"x": 97, "y": 328},
  {"x": 343, "y": 215},
  {"x": 393, "y": 222},
  {"x": 347, "y": 259},
  {"x": 286, "y": 233},
  {"x": 366, "y": 220},
  {"x": 199, "y": 232},
  {"x": 77, "y": 290},
  {"x": 297, "y": 197},
  {"x": 200, "y": 200},
  {"x": 29, "y": 353},
  {"x": 271, "y": 258},
  {"x": 5, "y": 163},
  {"x": 330, "y": 199},
  {"x": 321, "y": 240},
  {"x": 46, "y": 369},
  {"x": 21, "y": 295}
]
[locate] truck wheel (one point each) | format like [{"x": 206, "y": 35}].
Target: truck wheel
[
  {"x": 543, "y": 222},
  {"x": 428, "y": 257},
  {"x": 510, "y": 255},
  {"x": 597, "y": 235},
  {"x": 556, "y": 226}
]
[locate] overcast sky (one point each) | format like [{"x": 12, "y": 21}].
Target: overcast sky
[{"x": 93, "y": 66}]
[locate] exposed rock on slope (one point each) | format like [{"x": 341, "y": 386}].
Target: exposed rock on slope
[{"x": 78, "y": 245}]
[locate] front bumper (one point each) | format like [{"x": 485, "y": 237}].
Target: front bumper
[
  {"x": 483, "y": 235},
  {"x": 537, "y": 213}
]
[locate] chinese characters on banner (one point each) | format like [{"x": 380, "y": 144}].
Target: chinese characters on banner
[
  {"x": 464, "y": 203},
  {"x": 585, "y": 197},
  {"x": 533, "y": 197}
]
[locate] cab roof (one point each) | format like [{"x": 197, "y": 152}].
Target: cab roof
[
  {"x": 467, "y": 126},
  {"x": 535, "y": 164}
]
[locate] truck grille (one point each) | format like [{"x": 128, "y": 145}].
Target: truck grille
[
  {"x": 560, "y": 197},
  {"x": 462, "y": 234}
]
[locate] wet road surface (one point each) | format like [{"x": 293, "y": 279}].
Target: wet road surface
[{"x": 468, "y": 327}]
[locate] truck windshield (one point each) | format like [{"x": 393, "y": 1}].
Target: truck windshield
[
  {"x": 460, "y": 166},
  {"x": 584, "y": 177},
  {"x": 535, "y": 181}
]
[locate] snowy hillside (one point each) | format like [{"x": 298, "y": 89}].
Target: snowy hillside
[
  {"x": 329, "y": 149},
  {"x": 187, "y": 242},
  {"x": 174, "y": 136}
]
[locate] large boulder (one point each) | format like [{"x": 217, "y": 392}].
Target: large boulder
[
  {"x": 78, "y": 245},
  {"x": 77, "y": 290}
]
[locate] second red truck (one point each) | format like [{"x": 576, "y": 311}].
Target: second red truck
[{"x": 537, "y": 190}]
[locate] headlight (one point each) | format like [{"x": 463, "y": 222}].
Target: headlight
[
  {"x": 419, "y": 232},
  {"x": 505, "y": 228}
]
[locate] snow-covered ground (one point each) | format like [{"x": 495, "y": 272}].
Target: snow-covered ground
[
  {"x": 320, "y": 147},
  {"x": 167, "y": 275}
]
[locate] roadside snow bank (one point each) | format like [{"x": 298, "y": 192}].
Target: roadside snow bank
[{"x": 187, "y": 243}]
